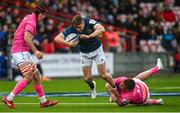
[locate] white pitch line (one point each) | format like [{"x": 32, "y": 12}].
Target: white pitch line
[
  {"x": 70, "y": 103},
  {"x": 174, "y": 87},
  {"x": 88, "y": 112}
]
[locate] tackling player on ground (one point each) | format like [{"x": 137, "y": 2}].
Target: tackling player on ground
[
  {"x": 134, "y": 90},
  {"x": 21, "y": 56},
  {"x": 90, "y": 49}
]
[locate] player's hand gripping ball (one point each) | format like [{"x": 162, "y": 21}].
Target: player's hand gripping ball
[{"x": 72, "y": 37}]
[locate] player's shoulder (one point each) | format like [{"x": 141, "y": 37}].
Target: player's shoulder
[
  {"x": 70, "y": 34},
  {"x": 28, "y": 19},
  {"x": 69, "y": 29},
  {"x": 90, "y": 21},
  {"x": 119, "y": 79}
]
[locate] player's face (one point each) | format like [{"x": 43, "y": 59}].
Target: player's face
[
  {"x": 80, "y": 27},
  {"x": 41, "y": 16},
  {"x": 122, "y": 86}
]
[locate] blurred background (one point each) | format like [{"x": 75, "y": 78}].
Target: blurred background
[{"x": 137, "y": 33}]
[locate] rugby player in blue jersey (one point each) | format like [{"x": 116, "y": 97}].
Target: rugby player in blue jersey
[{"x": 85, "y": 33}]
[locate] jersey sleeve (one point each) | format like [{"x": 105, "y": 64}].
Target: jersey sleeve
[
  {"x": 66, "y": 32},
  {"x": 29, "y": 27},
  {"x": 92, "y": 22},
  {"x": 118, "y": 80}
]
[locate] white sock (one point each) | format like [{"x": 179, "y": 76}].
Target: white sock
[
  {"x": 42, "y": 99},
  {"x": 10, "y": 96}
]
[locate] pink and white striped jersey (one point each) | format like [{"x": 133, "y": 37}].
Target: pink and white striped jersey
[
  {"x": 138, "y": 95},
  {"x": 27, "y": 24}
]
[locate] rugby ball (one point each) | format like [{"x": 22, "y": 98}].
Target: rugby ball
[{"x": 72, "y": 37}]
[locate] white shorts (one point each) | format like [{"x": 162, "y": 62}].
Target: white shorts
[
  {"x": 21, "y": 57},
  {"x": 97, "y": 55}
]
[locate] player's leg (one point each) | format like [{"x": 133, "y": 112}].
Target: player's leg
[
  {"x": 23, "y": 61},
  {"x": 86, "y": 63},
  {"x": 146, "y": 74},
  {"x": 25, "y": 68},
  {"x": 39, "y": 89},
  {"x": 154, "y": 102},
  {"x": 107, "y": 77},
  {"x": 104, "y": 74},
  {"x": 101, "y": 66},
  {"x": 88, "y": 79}
]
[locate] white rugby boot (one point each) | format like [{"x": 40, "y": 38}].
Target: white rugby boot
[
  {"x": 159, "y": 64},
  {"x": 160, "y": 101},
  {"x": 93, "y": 91}
]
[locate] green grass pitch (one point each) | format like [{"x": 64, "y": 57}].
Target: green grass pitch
[{"x": 159, "y": 83}]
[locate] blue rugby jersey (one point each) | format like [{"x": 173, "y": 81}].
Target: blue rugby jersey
[{"x": 85, "y": 45}]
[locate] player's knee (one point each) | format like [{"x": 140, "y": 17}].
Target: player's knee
[
  {"x": 28, "y": 79},
  {"x": 37, "y": 77},
  {"x": 28, "y": 70}
]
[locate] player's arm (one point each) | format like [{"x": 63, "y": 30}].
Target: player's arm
[
  {"x": 60, "y": 40},
  {"x": 120, "y": 101},
  {"x": 28, "y": 39},
  {"x": 111, "y": 92},
  {"x": 99, "y": 29}
]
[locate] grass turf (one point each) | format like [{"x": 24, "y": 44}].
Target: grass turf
[{"x": 160, "y": 83}]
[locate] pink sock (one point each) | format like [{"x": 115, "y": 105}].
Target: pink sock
[
  {"x": 39, "y": 90},
  {"x": 154, "y": 70},
  {"x": 19, "y": 86},
  {"x": 154, "y": 102}
]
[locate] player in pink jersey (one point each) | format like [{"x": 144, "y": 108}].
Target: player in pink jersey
[
  {"x": 22, "y": 58},
  {"x": 134, "y": 90}
]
